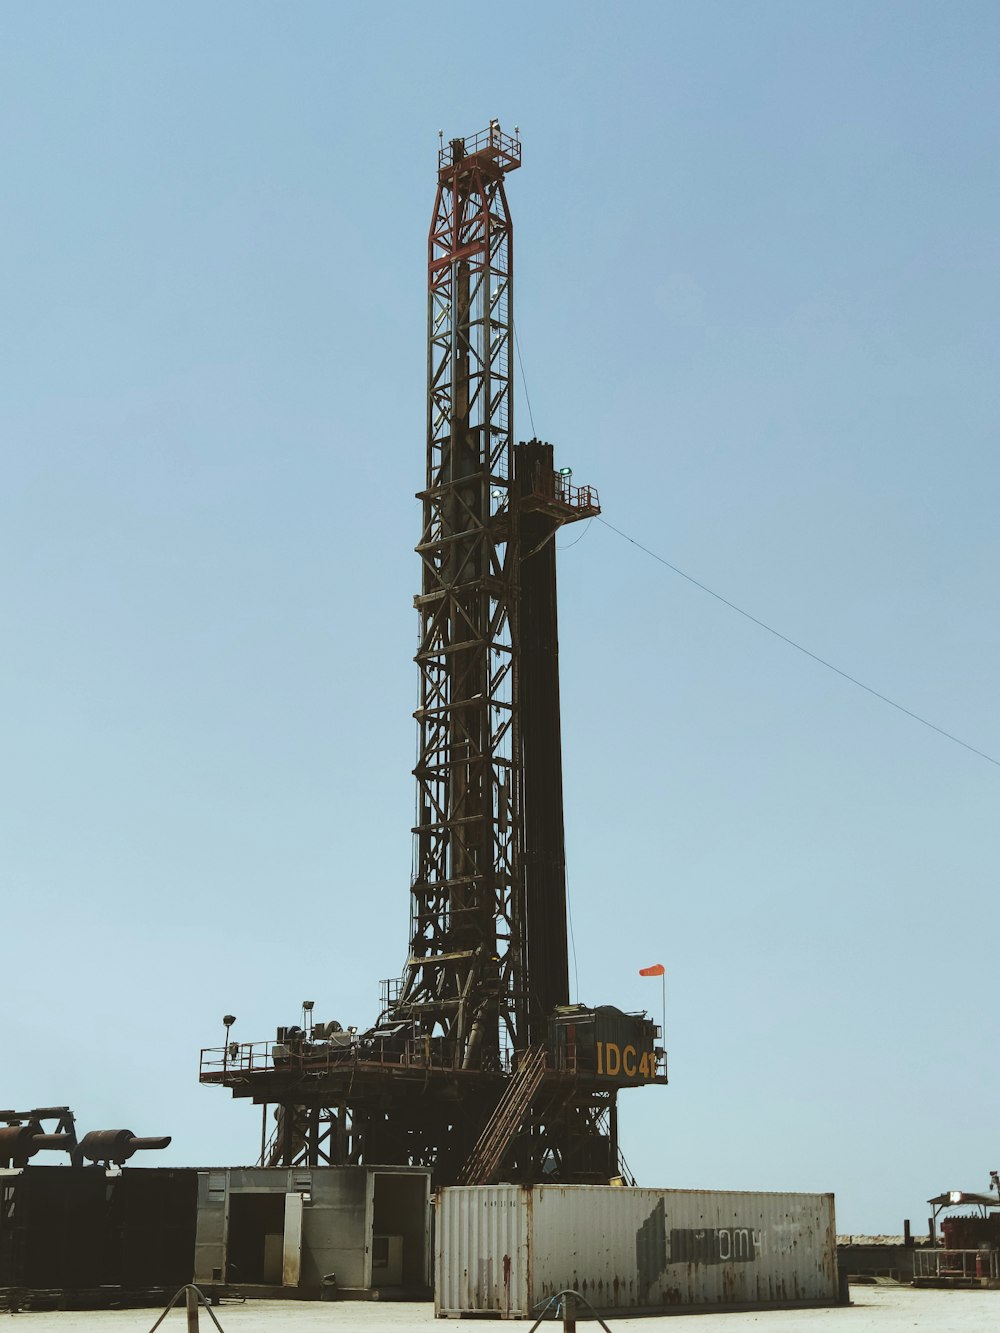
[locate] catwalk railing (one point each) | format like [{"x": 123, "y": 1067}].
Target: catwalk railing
[{"x": 239, "y": 1060}]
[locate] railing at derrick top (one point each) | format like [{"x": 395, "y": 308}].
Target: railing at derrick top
[
  {"x": 557, "y": 488},
  {"x": 503, "y": 149},
  {"x": 577, "y": 497}
]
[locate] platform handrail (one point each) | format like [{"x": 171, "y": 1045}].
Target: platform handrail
[
  {"x": 234, "y": 1063},
  {"x": 943, "y": 1263}
]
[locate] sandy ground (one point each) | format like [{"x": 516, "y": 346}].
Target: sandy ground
[{"x": 880, "y": 1309}]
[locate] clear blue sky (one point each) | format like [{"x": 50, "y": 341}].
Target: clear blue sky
[{"x": 756, "y": 250}]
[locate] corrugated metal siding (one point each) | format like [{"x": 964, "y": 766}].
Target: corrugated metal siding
[
  {"x": 482, "y": 1259},
  {"x": 632, "y": 1249}
]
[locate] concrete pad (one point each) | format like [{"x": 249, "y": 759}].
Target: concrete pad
[{"x": 880, "y": 1309}]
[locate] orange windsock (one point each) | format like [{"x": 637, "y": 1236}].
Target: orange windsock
[{"x": 657, "y": 970}]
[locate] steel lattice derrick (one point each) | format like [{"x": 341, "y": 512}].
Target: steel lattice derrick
[
  {"x": 462, "y": 980},
  {"x": 475, "y": 1043}
]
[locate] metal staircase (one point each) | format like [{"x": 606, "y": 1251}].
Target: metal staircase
[{"x": 505, "y": 1121}]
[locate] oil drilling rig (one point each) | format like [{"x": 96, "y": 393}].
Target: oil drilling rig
[{"x": 478, "y": 1065}]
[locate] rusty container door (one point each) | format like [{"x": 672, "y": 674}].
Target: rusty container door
[{"x": 482, "y": 1259}]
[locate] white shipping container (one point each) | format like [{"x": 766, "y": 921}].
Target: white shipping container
[{"x": 507, "y": 1249}]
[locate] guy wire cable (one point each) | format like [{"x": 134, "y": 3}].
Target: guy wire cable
[{"x": 808, "y": 653}]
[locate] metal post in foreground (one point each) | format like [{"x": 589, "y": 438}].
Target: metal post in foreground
[
  {"x": 564, "y": 1303},
  {"x": 193, "y": 1298},
  {"x": 191, "y": 1303}
]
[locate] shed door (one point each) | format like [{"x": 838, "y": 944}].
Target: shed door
[{"x": 291, "y": 1249}]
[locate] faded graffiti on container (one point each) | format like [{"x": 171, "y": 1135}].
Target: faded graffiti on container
[
  {"x": 651, "y": 1249},
  {"x": 689, "y": 1245},
  {"x": 715, "y": 1245}
]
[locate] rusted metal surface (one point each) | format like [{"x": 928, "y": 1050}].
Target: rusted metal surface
[
  {"x": 482, "y": 1251},
  {"x": 117, "y": 1145},
  {"x": 17, "y": 1144},
  {"x": 506, "y": 1248},
  {"x": 490, "y": 146},
  {"x": 23, "y": 1134},
  {"x": 971, "y": 1233}
]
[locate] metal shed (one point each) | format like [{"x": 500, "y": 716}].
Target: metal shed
[{"x": 312, "y": 1231}]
